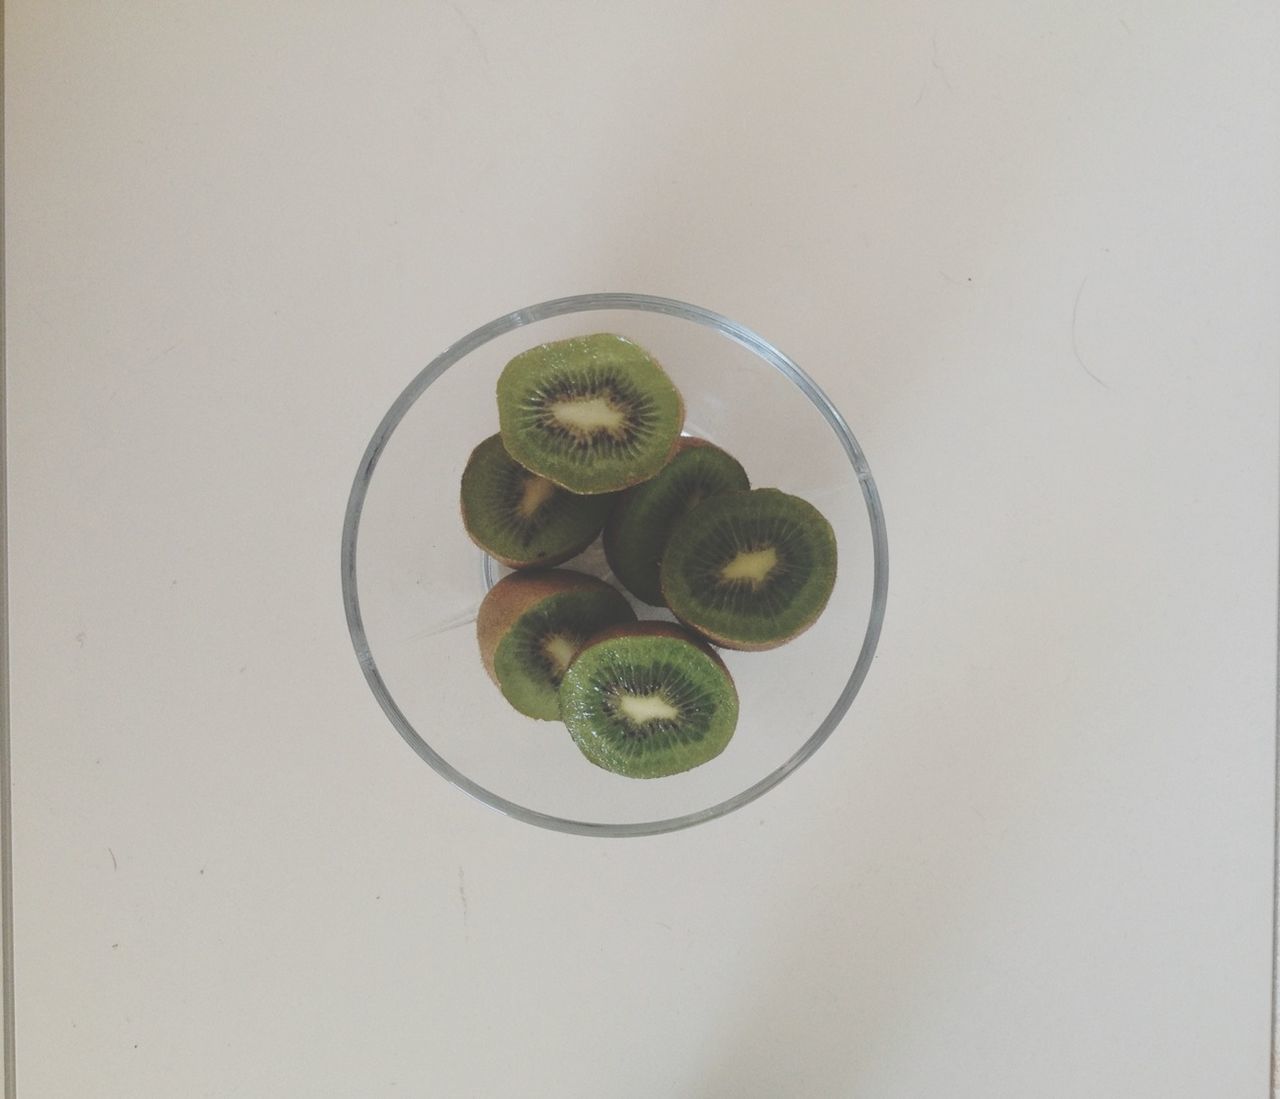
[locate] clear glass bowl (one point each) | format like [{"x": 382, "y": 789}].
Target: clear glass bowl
[{"x": 412, "y": 580}]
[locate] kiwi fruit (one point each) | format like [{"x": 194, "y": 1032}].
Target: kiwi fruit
[
  {"x": 530, "y": 627},
  {"x": 647, "y": 700},
  {"x": 521, "y": 519},
  {"x": 592, "y": 414},
  {"x": 637, "y": 529},
  {"x": 750, "y": 570}
]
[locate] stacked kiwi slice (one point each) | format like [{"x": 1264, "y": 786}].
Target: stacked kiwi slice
[
  {"x": 590, "y": 444},
  {"x": 648, "y": 700},
  {"x": 531, "y": 626}
]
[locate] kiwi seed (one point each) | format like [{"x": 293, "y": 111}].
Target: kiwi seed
[
  {"x": 647, "y": 700},
  {"x": 750, "y": 570},
  {"x": 522, "y": 519},
  {"x": 593, "y": 414},
  {"x": 531, "y": 625}
]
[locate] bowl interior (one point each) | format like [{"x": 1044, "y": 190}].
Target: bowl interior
[{"x": 413, "y": 580}]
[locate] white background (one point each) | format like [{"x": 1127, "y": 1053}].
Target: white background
[{"x": 1030, "y": 250}]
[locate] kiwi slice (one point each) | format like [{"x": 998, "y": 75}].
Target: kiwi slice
[
  {"x": 750, "y": 570},
  {"x": 647, "y": 700},
  {"x": 593, "y": 413},
  {"x": 637, "y": 530},
  {"x": 522, "y": 519},
  {"x": 531, "y": 625}
]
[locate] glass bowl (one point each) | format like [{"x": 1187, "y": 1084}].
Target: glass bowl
[{"x": 412, "y": 580}]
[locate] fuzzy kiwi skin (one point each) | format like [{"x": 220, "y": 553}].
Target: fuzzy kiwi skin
[
  {"x": 653, "y": 629},
  {"x": 513, "y": 595},
  {"x": 614, "y": 523},
  {"x": 514, "y": 563},
  {"x": 711, "y": 638},
  {"x": 739, "y": 645}
]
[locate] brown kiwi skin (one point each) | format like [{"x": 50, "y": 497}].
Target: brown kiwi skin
[
  {"x": 511, "y": 596},
  {"x": 688, "y": 442},
  {"x": 542, "y": 562},
  {"x": 652, "y": 628},
  {"x": 740, "y": 646}
]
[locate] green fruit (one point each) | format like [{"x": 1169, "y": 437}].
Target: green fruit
[
  {"x": 593, "y": 414},
  {"x": 522, "y": 519},
  {"x": 643, "y": 517},
  {"x": 750, "y": 570},
  {"x": 532, "y": 624},
  {"x": 648, "y": 700}
]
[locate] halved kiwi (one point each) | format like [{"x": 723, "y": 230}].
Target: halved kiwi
[
  {"x": 532, "y": 624},
  {"x": 647, "y": 700},
  {"x": 750, "y": 570},
  {"x": 637, "y": 529},
  {"x": 593, "y": 413},
  {"x": 522, "y": 519}
]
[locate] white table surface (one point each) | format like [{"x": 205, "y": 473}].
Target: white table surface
[{"x": 1031, "y": 251}]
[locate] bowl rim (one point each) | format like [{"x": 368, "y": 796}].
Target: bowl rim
[{"x": 584, "y": 303}]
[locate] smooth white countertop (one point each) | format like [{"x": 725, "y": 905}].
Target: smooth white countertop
[{"x": 1034, "y": 257}]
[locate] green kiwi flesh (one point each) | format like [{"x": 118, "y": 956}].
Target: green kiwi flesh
[
  {"x": 532, "y": 624},
  {"x": 592, "y": 414},
  {"x": 750, "y": 570},
  {"x": 648, "y": 700},
  {"x": 637, "y": 530},
  {"x": 521, "y": 519}
]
